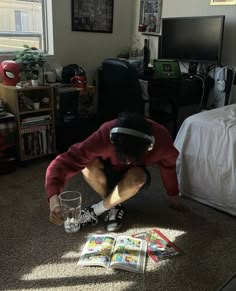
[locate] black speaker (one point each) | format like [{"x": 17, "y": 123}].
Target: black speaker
[{"x": 67, "y": 103}]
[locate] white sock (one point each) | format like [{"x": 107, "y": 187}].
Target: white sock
[{"x": 99, "y": 208}]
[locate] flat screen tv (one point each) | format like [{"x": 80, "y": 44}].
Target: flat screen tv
[{"x": 195, "y": 39}]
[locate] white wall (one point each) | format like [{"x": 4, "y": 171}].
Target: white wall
[{"x": 86, "y": 48}]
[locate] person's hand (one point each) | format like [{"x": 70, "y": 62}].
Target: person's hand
[
  {"x": 175, "y": 203},
  {"x": 56, "y": 214}
]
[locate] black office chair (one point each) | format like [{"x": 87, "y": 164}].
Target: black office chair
[{"x": 118, "y": 89}]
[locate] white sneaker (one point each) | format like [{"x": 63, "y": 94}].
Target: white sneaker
[{"x": 88, "y": 217}]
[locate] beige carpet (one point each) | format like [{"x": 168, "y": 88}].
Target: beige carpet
[{"x": 36, "y": 255}]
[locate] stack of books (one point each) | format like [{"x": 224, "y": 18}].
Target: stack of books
[{"x": 36, "y": 120}]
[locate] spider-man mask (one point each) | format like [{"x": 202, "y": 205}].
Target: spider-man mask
[
  {"x": 79, "y": 81},
  {"x": 10, "y": 73}
]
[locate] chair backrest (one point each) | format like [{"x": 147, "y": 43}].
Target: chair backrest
[{"x": 118, "y": 89}]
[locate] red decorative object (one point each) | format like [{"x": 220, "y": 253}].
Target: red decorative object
[
  {"x": 79, "y": 81},
  {"x": 9, "y": 72}
]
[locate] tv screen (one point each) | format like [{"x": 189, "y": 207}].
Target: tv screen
[{"x": 192, "y": 39}]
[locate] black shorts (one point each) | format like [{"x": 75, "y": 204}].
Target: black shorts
[{"x": 114, "y": 178}]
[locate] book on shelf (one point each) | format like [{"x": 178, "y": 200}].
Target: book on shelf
[
  {"x": 39, "y": 117},
  {"x": 35, "y": 119},
  {"x": 158, "y": 245},
  {"x": 37, "y": 141},
  {"x": 34, "y": 123},
  {"x": 117, "y": 252}
]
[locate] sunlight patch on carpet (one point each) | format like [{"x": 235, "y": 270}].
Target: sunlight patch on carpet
[
  {"x": 69, "y": 269},
  {"x": 70, "y": 255},
  {"x": 171, "y": 234}
]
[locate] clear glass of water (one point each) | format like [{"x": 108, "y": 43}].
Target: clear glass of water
[{"x": 71, "y": 202}]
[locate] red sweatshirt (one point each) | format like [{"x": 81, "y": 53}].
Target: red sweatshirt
[{"x": 98, "y": 145}]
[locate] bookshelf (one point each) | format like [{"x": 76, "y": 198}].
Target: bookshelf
[{"x": 35, "y": 127}]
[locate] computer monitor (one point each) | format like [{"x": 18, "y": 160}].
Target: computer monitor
[{"x": 195, "y": 39}]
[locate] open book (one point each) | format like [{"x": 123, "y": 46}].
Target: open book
[
  {"x": 159, "y": 246},
  {"x": 118, "y": 252}
]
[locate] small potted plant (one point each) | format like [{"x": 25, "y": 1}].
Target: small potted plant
[
  {"x": 31, "y": 61},
  {"x": 36, "y": 102},
  {"x": 35, "y": 80}
]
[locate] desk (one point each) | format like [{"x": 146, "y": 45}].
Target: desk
[{"x": 172, "y": 100}]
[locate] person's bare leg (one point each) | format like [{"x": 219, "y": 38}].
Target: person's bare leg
[
  {"x": 95, "y": 177},
  {"x": 132, "y": 182}
]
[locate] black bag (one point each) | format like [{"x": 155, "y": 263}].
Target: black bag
[{"x": 70, "y": 71}]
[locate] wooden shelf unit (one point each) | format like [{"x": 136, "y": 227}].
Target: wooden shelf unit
[{"x": 35, "y": 128}]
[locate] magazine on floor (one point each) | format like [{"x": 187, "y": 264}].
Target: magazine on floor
[
  {"x": 117, "y": 252},
  {"x": 159, "y": 246}
]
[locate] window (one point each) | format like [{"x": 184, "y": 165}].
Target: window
[
  {"x": 25, "y": 22},
  {"x": 22, "y": 20}
]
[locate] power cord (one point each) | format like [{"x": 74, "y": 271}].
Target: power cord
[{"x": 203, "y": 89}]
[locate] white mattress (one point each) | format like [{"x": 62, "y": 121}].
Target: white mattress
[{"x": 206, "y": 165}]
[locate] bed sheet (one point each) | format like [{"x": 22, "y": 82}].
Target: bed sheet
[{"x": 206, "y": 166}]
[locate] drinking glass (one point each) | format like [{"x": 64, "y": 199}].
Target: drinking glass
[{"x": 70, "y": 202}]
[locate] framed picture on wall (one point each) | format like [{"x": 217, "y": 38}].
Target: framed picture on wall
[
  {"x": 92, "y": 15},
  {"x": 150, "y": 17},
  {"x": 223, "y": 2}
]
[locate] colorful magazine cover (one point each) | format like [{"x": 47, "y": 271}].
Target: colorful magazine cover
[
  {"x": 159, "y": 246},
  {"x": 119, "y": 252}
]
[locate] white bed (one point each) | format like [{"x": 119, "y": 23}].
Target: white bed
[{"x": 206, "y": 165}]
